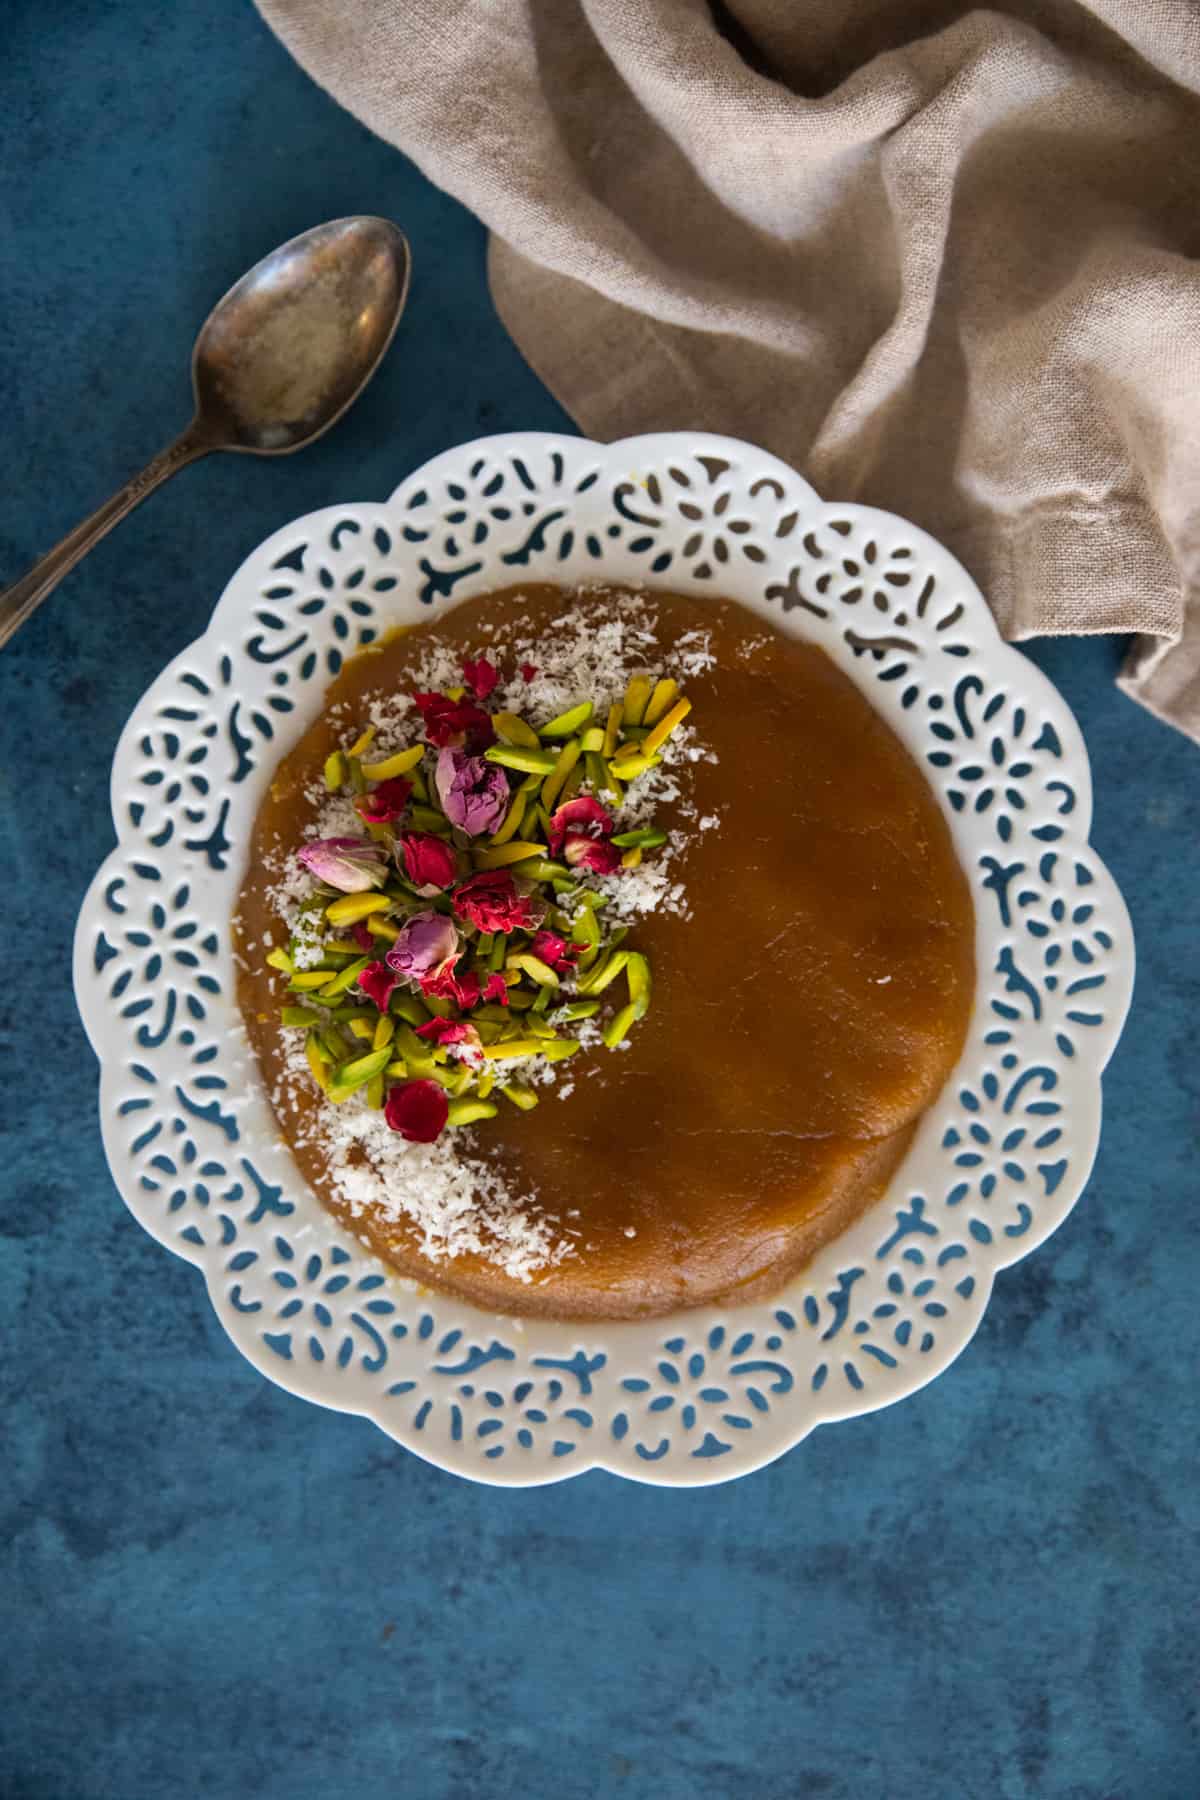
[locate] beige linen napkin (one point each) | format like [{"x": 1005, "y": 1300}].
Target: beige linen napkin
[{"x": 941, "y": 259}]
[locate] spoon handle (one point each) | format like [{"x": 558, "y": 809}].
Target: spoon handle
[{"x": 26, "y": 595}]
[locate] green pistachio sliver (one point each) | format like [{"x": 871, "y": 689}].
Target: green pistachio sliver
[
  {"x": 544, "y": 997},
  {"x": 438, "y": 1008},
  {"x": 375, "y": 1093},
  {"x": 408, "y": 1007},
  {"x": 293, "y": 1016},
  {"x": 469, "y": 1112},
  {"x": 575, "y": 1009},
  {"x": 559, "y": 1049},
  {"x": 426, "y": 818},
  {"x": 490, "y": 1014},
  {"x": 605, "y": 972},
  {"x": 384, "y": 1031},
  {"x": 617, "y": 937},
  {"x": 585, "y": 930},
  {"x": 455, "y": 1079},
  {"x": 592, "y": 739},
  {"x": 361, "y": 1028},
  {"x": 403, "y": 763},
  {"x": 617, "y": 1029},
  {"x": 539, "y": 868},
  {"x": 572, "y": 784},
  {"x": 316, "y": 1062},
  {"x": 649, "y": 837},
  {"x": 520, "y": 999},
  {"x": 637, "y": 977},
  {"x": 599, "y": 775},
  {"x": 484, "y": 1084},
  {"x": 358, "y": 780},
  {"x": 497, "y": 953},
  {"x": 336, "y": 771},
  {"x": 420, "y": 787},
  {"x": 634, "y": 766},
  {"x": 279, "y": 959},
  {"x": 351, "y": 908},
  {"x": 529, "y": 762},
  {"x": 416, "y": 1053},
  {"x": 522, "y": 1097},
  {"x": 569, "y": 722},
  {"x": 512, "y": 1049},
  {"x": 532, "y": 965},
  {"x": 333, "y": 1044},
  {"x": 304, "y": 980},
  {"x": 489, "y": 1032},
  {"x": 483, "y": 944},
  {"x": 354, "y": 1074},
  {"x": 346, "y": 979},
  {"x": 512, "y": 730},
  {"x": 555, "y": 782},
  {"x": 566, "y": 890},
  {"x": 637, "y": 695},
  {"x": 397, "y": 1070}
]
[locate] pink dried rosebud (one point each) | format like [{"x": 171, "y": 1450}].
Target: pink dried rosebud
[
  {"x": 584, "y": 817},
  {"x": 377, "y": 982},
  {"x": 351, "y": 864},
  {"x": 597, "y": 854},
  {"x": 493, "y": 901},
  {"x": 473, "y": 793},
  {"x": 385, "y": 802},
  {"x": 429, "y": 862},
  {"x": 427, "y": 944},
  {"x": 555, "y": 951},
  {"x": 454, "y": 721},
  {"x": 480, "y": 676},
  {"x": 453, "y": 1034},
  {"x": 418, "y": 1110}
]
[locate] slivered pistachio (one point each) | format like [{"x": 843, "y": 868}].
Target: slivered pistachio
[
  {"x": 294, "y": 1016},
  {"x": 309, "y": 979},
  {"x": 484, "y": 1084},
  {"x": 358, "y": 780},
  {"x": 540, "y": 868},
  {"x": 316, "y": 1063},
  {"x": 586, "y": 928},
  {"x": 438, "y": 1008},
  {"x": 513, "y": 817},
  {"x": 634, "y": 766},
  {"x": 483, "y": 945},
  {"x": 520, "y": 1000},
  {"x": 617, "y": 936},
  {"x": 279, "y": 959},
  {"x": 631, "y": 859},
  {"x": 511, "y": 729},
  {"x": 497, "y": 953},
  {"x": 385, "y": 1031},
  {"x": 455, "y": 693},
  {"x": 420, "y": 787},
  {"x": 637, "y": 979},
  {"x": 529, "y": 762},
  {"x": 490, "y": 1015},
  {"x": 400, "y": 764},
  {"x": 374, "y": 1094},
  {"x": 612, "y": 729},
  {"x": 354, "y": 1074},
  {"x": 502, "y": 856},
  {"x": 353, "y": 907},
  {"x": 406, "y": 1006},
  {"x": 601, "y": 777},
  {"x": 575, "y": 1009},
  {"x": 336, "y": 772},
  {"x": 426, "y": 818},
  {"x": 670, "y": 721},
  {"x": 522, "y": 1097},
  {"x": 568, "y": 723},
  {"x": 637, "y": 694},
  {"x": 456, "y": 1079},
  {"x": 512, "y": 1049},
  {"x": 572, "y": 784},
  {"x": 469, "y": 1112},
  {"x": 617, "y": 1029},
  {"x": 592, "y": 739},
  {"x": 544, "y": 997},
  {"x": 362, "y": 1028},
  {"x": 543, "y": 819},
  {"x": 591, "y": 898},
  {"x": 345, "y": 979},
  {"x": 532, "y": 965},
  {"x": 362, "y": 743},
  {"x": 383, "y": 928},
  {"x": 647, "y": 837},
  {"x": 416, "y": 1053},
  {"x": 397, "y": 1070},
  {"x": 536, "y": 1024},
  {"x": 664, "y": 693},
  {"x": 552, "y": 787},
  {"x": 333, "y": 1044},
  {"x": 605, "y": 971},
  {"x": 559, "y": 1049}
]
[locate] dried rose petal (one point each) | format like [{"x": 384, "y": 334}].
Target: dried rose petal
[
  {"x": 451, "y": 1033},
  {"x": 454, "y": 722},
  {"x": 447, "y": 985},
  {"x": 493, "y": 901},
  {"x": 429, "y": 862},
  {"x": 351, "y": 864},
  {"x": 427, "y": 944},
  {"x": 585, "y": 817},
  {"x": 418, "y": 1110},
  {"x": 385, "y": 802},
  {"x": 362, "y": 936},
  {"x": 528, "y": 671},
  {"x": 474, "y": 793},
  {"x": 496, "y": 988},
  {"x": 377, "y": 982},
  {"x": 597, "y": 854},
  {"x": 555, "y": 951},
  {"x": 480, "y": 676}
]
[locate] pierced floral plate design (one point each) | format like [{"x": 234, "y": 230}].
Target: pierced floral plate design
[{"x": 705, "y": 1395}]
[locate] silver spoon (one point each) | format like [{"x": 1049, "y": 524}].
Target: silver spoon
[{"x": 277, "y": 361}]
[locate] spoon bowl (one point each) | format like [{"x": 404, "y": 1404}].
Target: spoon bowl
[
  {"x": 277, "y": 362},
  {"x": 294, "y": 342}
]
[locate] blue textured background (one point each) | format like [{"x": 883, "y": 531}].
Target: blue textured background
[{"x": 210, "y": 1588}]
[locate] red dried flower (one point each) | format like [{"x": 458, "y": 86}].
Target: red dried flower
[
  {"x": 555, "y": 951},
  {"x": 377, "y": 982},
  {"x": 462, "y": 989},
  {"x": 493, "y": 902},
  {"x": 584, "y": 817},
  {"x": 362, "y": 936},
  {"x": 455, "y": 722},
  {"x": 385, "y": 802},
  {"x": 528, "y": 671},
  {"x": 429, "y": 861},
  {"x": 480, "y": 676},
  {"x": 448, "y": 1032},
  {"x": 597, "y": 854},
  {"x": 496, "y": 988},
  {"x": 418, "y": 1110}
]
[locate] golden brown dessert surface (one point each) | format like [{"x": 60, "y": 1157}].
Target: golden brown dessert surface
[{"x": 805, "y": 1014}]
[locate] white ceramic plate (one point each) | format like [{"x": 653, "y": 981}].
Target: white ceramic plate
[{"x": 704, "y": 1395}]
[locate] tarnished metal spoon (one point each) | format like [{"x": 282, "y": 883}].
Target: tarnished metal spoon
[{"x": 278, "y": 360}]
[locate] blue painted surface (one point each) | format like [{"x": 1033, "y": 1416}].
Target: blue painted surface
[{"x": 212, "y": 1588}]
